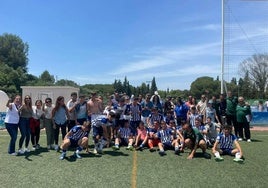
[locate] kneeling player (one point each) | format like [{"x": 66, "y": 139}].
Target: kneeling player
[
  {"x": 76, "y": 137},
  {"x": 193, "y": 140}
]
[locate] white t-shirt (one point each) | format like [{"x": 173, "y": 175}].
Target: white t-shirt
[
  {"x": 69, "y": 105},
  {"x": 12, "y": 115}
]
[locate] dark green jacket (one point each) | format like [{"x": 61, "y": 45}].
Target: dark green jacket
[
  {"x": 241, "y": 112},
  {"x": 231, "y": 106}
]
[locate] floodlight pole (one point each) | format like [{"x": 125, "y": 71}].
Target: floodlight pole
[{"x": 222, "y": 47}]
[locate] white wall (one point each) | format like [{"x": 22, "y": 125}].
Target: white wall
[{"x": 42, "y": 92}]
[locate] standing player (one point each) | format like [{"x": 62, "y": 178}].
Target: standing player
[
  {"x": 71, "y": 104},
  {"x": 95, "y": 109},
  {"x": 76, "y": 137}
]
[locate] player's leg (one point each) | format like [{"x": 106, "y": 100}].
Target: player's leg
[
  {"x": 175, "y": 144},
  {"x": 64, "y": 146},
  {"x": 203, "y": 145},
  {"x": 161, "y": 149}
]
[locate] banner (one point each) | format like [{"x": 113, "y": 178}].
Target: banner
[
  {"x": 259, "y": 118},
  {"x": 2, "y": 120}
]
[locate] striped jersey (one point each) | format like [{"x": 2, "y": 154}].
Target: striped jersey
[
  {"x": 78, "y": 133},
  {"x": 165, "y": 135},
  {"x": 99, "y": 121},
  {"x": 125, "y": 132},
  {"x": 192, "y": 118},
  {"x": 155, "y": 117},
  {"x": 226, "y": 142},
  {"x": 135, "y": 112}
]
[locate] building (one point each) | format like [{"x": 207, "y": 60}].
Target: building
[{"x": 42, "y": 92}]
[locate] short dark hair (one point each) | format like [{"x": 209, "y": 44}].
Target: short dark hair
[
  {"x": 229, "y": 127},
  {"x": 73, "y": 94}
]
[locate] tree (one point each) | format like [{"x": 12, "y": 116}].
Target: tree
[
  {"x": 153, "y": 86},
  {"x": 257, "y": 69},
  {"x": 13, "y": 52},
  {"x": 63, "y": 82},
  {"x": 205, "y": 85},
  {"x": 13, "y": 63},
  {"x": 245, "y": 87},
  {"x": 47, "y": 79}
]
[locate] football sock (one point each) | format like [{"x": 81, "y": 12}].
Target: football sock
[
  {"x": 237, "y": 155},
  {"x": 79, "y": 148},
  {"x": 217, "y": 154}
]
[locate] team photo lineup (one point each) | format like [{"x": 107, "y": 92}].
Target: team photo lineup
[{"x": 209, "y": 126}]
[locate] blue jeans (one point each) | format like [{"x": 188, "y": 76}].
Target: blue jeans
[
  {"x": 12, "y": 129},
  {"x": 25, "y": 131}
]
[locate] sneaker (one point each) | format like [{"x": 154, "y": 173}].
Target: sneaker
[
  {"x": 240, "y": 139},
  {"x": 130, "y": 148},
  {"x": 76, "y": 155},
  {"x": 21, "y": 151},
  {"x": 115, "y": 147},
  {"x": 95, "y": 151},
  {"x": 27, "y": 150},
  {"x": 49, "y": 147},
  {"x": 34, "y": 148},
  {"x": 162, "y": 153},
  {"x": 177, "y": 152},
  {"x": 62, "y": 156},
  {"x": 139, "y": 148},
  {"x": 14, "y": 154},
  {"x": 238, "y": 160},
  {"x": 56, "y": 147},
  {"x": 207, "y": 155},
  {"x": 248, "y": 140},
  {"x": 218, "y": 159},
  {"x": 151, "y": 149},
  {"x": 37, "y": 146}
]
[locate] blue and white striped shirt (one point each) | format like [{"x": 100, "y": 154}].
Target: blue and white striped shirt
[
  {"x": 135, "y": 112},
  {"x": 226, "y": 142},
  {"x": 125, "y": 132},
  {"x": 165, "y": 135},
  {"x": 78, "y": 133},
  {"x": 155, "y": 117}
]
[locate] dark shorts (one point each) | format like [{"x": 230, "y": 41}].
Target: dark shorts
[
  {"x": 226, "y": 151},
  {"x": 133, "y": 127},
  {"x": 74, "y": 143},
  {"x": 123, "y": 141},
  {"x": 167, "y": 145},
  {"x": 97, "y": 131}
]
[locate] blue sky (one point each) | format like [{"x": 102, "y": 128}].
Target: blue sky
[{"x": 98, "y": 41}]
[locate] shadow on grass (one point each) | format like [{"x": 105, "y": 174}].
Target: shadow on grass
[
  {"x": 201, "y": 155},
  {"x": 115, "y": 153},
  {"x": 72, "y": 158},
  {"x": 37, "y": 152},
  {"x": 256, "y": 140}
]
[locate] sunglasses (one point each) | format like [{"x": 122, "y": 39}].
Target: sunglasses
[
  {"x": 48, "y": 101},
  {"x": 28, "y": 98}
]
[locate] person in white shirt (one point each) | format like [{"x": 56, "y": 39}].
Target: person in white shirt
[{"x": 11, "y": 122}]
